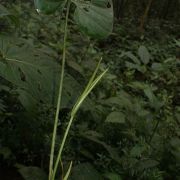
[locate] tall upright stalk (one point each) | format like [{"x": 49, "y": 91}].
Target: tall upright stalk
[
  {"x": 92, "y": 83},
  {"x": 59, "y": 95}
]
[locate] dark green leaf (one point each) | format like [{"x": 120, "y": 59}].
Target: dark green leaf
[
  {"x": 48, "y": 6},
  {"x": 144, "y": 54},
  {"x": 146, "y": 164},
  {"x": 32, "y": 173},
  {"x": 132, "y": 57},
  {"x": 85, "y": 171},
  {"x": 95, "y": 18},
  {"x": 112, "y": 151},
  {"x": 137, "y": 150},
  {"x": 112, "y": 176},
  {"x": 3, "y": 11},
  {"x": 116, "y": 117}
]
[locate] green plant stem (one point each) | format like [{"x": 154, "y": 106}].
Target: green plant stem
[
  {"x": 68, "y": 172},
  {"x": 61, "y": 147},
  {"x": 59, "y": 95},
  {"x": 92, "y": 83}
]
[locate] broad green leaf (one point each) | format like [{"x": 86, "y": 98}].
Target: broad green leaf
[
  {"x": 175, "y": 143},
  {"x": 159, "y": 67},
  {"x": 34, "y": 75},
  {"x": 95, "y": 18},
  {"x": 101, "y": 3},
  {"x": 144, "y": 54},
  {"x": 154, "y": 101},
  {"x": 30, "y": 70},
  {"x": 85, "y": 171},
  {"x": 112, "y": 176},
  {"x": 132, "y": 57},
  {"x": 32, "y": 173},
  {"x": 146, "y": 164},
  {"x": 122, "y": 100},
  {"x": 138, "y": 85},
  {"x": 137, "y": 150},
  {"x": 48, "y": 6},
  {"x": 112, "y": 151},
  {"x": 116, "y": 117},
  {"x": 132, "y": 65},
  {"x": 29, "y": 103}
]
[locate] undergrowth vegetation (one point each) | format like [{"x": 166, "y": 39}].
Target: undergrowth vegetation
[{"x": 128, "y": 126}]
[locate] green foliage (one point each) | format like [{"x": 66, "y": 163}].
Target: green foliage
[
  {"x": 116, "y": 117},
  {"x": 85, "y": 171},
  {"x": 8, "y": 17},
  {"x": 128, "y": 128},
  {"x": 47, "y": 6},
  {"x": 95, "y": 18},
  {"x": 112, "y": 176},
  {"x": 32, "y": 173},
  {"x": 2, "y": 107},
  {"x": 28, "y": 70},
  {"x": 3, "y": 11}
]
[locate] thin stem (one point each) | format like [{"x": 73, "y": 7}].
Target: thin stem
[
  {"x": 89, "y": 83},
  {"x": 68, "y": 172},
  {"x": 59, "y": 95},
  {"x": 62, "y": 146},
  {"x": 86, "y": 92}
]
